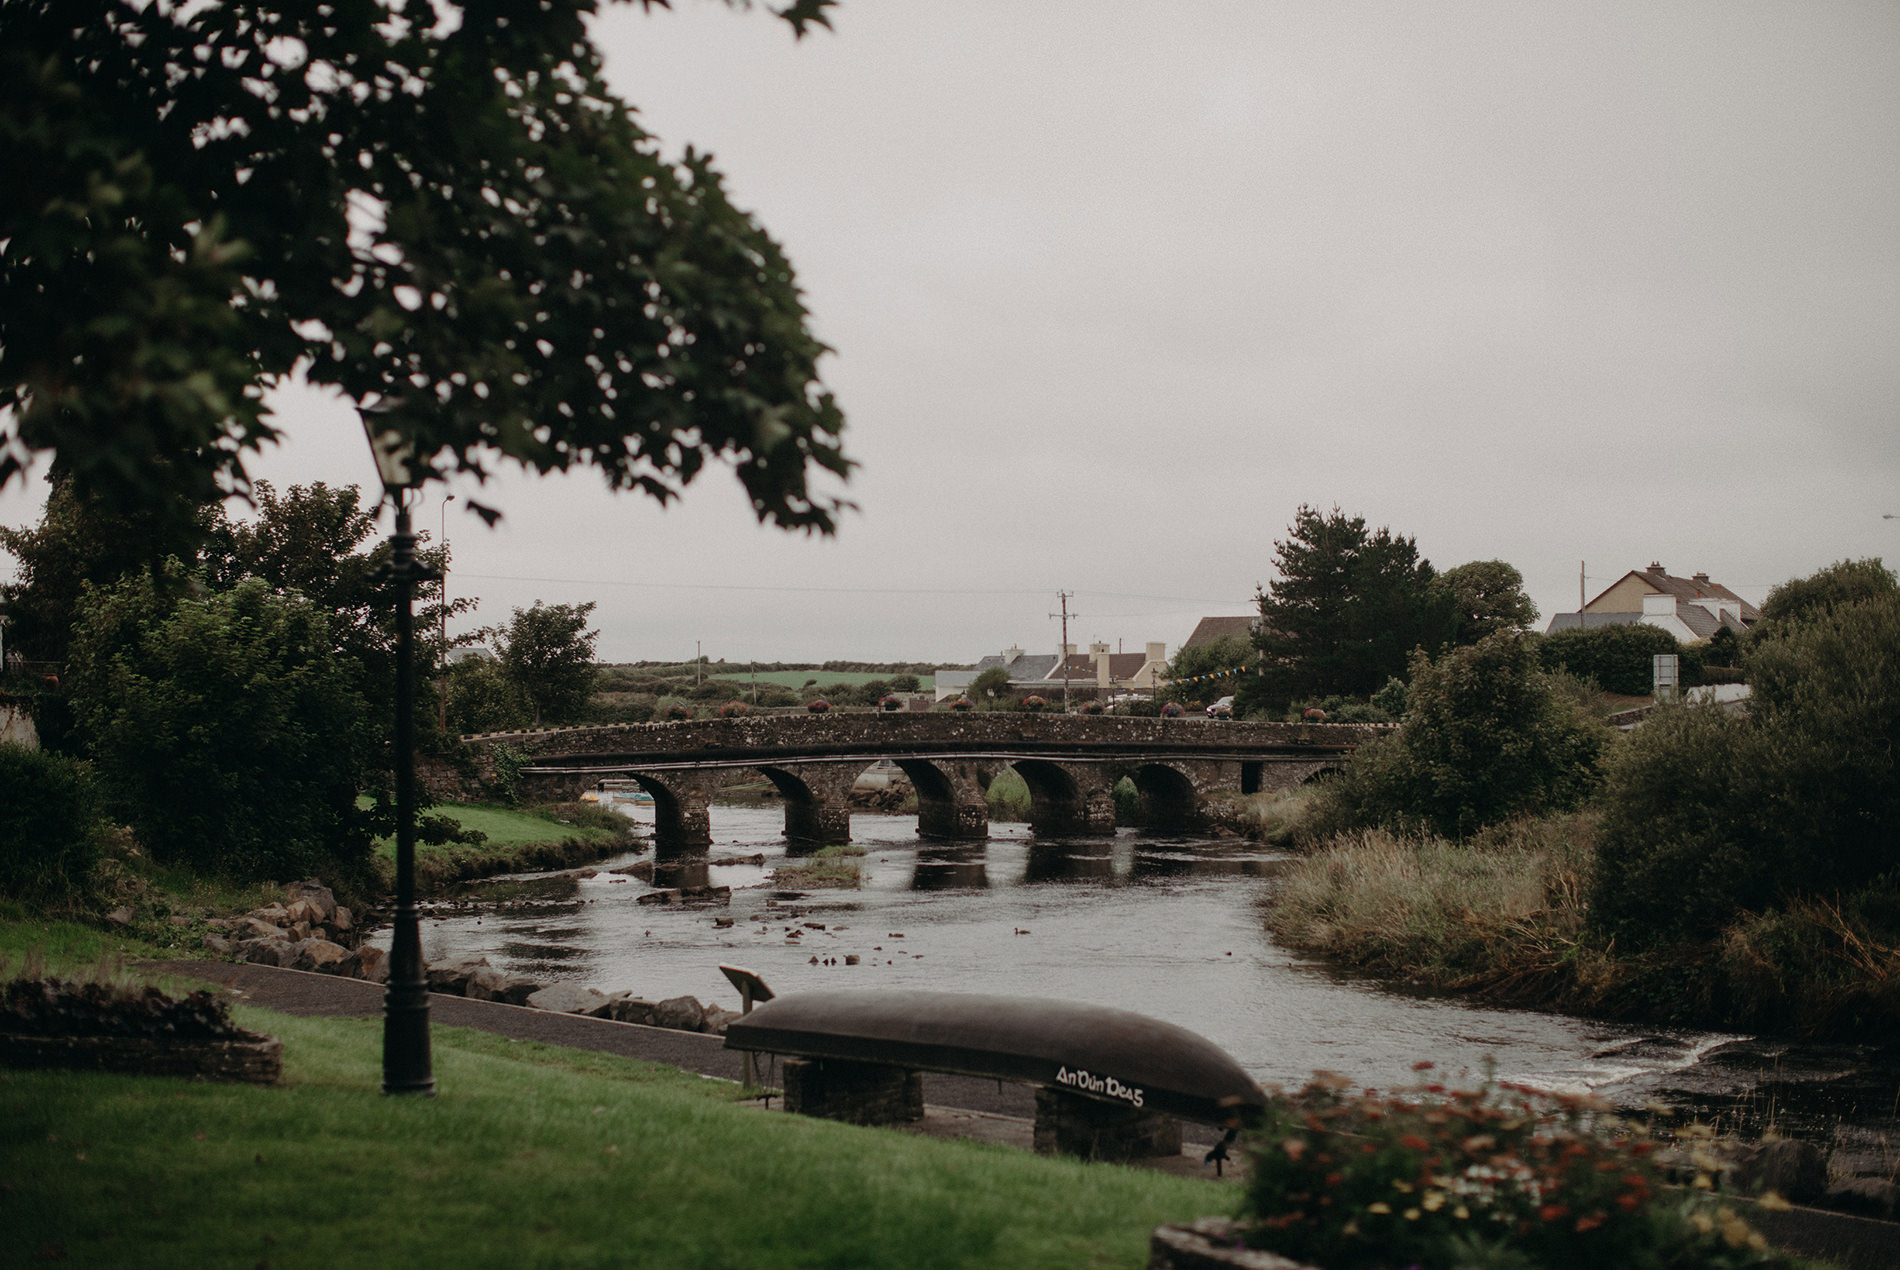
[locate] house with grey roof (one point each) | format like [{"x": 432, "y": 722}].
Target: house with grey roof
[{"x": 1691, "y": 608}]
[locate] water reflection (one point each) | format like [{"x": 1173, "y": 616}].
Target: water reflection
[
  {"x": 951, "y": 869},
  {"x": 690, "y": 873},
  {"x": 1059, "y": 860}
]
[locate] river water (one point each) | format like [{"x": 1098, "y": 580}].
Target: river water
[{"x": 1166, "y": 927}]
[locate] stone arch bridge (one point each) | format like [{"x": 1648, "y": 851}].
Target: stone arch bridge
[{"x": 1070, "y": 763}]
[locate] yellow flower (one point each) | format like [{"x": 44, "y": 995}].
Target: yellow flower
[
  {"x": 1380, "y": 1207},
  {"x": 1773, "y": 1202},
  {"x": 1411, "y": 1214},
  {"x": 1433, "y": 1201}
]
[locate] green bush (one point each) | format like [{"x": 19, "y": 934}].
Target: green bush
[
  {"x": 1618, "y": 657},
  {"x": 1487, "y": 736},
  {"x": 225, "y": 730},
  {"x": 1707, "y": 815},
  {"x": 49, "y": 825}
]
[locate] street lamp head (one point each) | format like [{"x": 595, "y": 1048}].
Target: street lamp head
[{"x": 395, "y": 452}]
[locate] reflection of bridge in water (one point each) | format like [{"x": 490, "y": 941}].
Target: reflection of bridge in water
[{"x": 1070, "y": 763}]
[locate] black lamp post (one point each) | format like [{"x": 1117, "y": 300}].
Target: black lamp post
[{"x": 406, "y": 1064}]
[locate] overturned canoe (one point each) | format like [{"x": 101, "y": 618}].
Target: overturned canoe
[{"x": 1096, "y": 1051}]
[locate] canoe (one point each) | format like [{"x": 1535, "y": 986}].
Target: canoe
[{"x": 1099, "y": 1052}]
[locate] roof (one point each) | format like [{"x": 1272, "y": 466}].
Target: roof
[
  {"x": 1588, "y": 621},
  {"x": 1213, "y": 628},
  {"x": 1695, "y": 590},
  {"x": 1032, "y": 666},
  {"x": 1120, "y": 666}
]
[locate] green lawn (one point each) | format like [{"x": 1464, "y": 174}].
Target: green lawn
[{"x": 530, "y": 1156}]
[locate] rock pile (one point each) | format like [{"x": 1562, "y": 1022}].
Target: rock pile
[
  {"x": 475, "y": 979},
  {"x": 307, "y": 930}
]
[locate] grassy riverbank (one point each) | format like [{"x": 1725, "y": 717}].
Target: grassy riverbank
[
  {"x": 530, "y": 1155},
  {"x": 512, "y": 840},
  {"x": 1502, "y": 916}
]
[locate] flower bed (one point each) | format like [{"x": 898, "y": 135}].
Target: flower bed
[{"x": 1502, "y": 1176}]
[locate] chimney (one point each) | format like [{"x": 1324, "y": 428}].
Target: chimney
[
  {"x": 1157, "y": 651},
  {"x": 1655, "y": 567},
  {"x": 1011, "y": 653},
  {"x": 1068, "y": 650},
  {"x": 1100, "y": 653},
  {"x": 1701, "y": 580}
]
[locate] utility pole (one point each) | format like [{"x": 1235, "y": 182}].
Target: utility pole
[
  {"x": 1580, "y": 600},
  {"x": 696, "y": 661},
  {"x": 1064, "y": 596}
]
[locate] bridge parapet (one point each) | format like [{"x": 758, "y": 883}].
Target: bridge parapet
[{"x": 878, "y": 734}]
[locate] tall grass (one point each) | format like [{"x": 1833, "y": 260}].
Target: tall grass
[{"x": 1504, "y": 908}]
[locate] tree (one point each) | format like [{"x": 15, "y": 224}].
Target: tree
[
  {"x": 224, "y": 729},
  {"x": 547, "y": 654},
  {"x": 459, "y": 221},
  {"x": 1487, "y": 736},
  {"x": 992, "y": 682},
  {"x": 1349, "y": 606},
  {"x": 1487, "y": 596},
  {"x": 80, "y": 542},
  {"x": 1842, "y": 583},
  {"x": 1220, "y": 664}
]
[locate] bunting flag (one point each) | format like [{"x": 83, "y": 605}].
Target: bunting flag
[{"x": 1212, "y": 674}]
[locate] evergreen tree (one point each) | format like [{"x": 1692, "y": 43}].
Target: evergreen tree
[{"x": 1348, "y": 607}]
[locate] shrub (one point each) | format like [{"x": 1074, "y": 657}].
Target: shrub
[
  {"x": 734, "y": 710},
  {"x": 962, "y": 703},
  {"x": 1503, "y": 1176},
  {"x": 1172, "y": 710},
  {"x": 1033, "y": 703},
  {"x": 890, "y": 701},
  {"x": 225, "y": 730},
  {"x": 49, "y": 825},
  {"x": 677, "y": 712},
  {"x": 1707, "y": 815},
  {"x": 818, "y": 705},
  {"x": 1092, "y": 707},
  {"x": 1487, "y": 736},
  {"x": 1617, "y": 657}
]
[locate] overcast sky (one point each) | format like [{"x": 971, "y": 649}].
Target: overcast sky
[{"x": 1115, "y": 287}]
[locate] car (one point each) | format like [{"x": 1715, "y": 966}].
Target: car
[{"x": 1222, "y": 709}]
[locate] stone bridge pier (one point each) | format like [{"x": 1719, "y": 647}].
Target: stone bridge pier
[
  {"x": 817, "y": 800},
  {"x": 949, "y": 798}
]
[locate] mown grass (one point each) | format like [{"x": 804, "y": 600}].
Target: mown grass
[
  {"x": 1008, "y": 797},
  {"x": 529, "y": 1156},
  {"x": 515, "y": 840}
]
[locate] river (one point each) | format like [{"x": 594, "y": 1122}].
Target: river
[{"x": 1166, "y": 927}]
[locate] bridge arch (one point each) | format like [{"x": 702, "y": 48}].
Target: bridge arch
[
  {"x": 1168, "y": 802},
  {"x": 949, "y": 798},
  {"x": 817, "y": 799},
  {"x": 1067, "y": 798}
]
